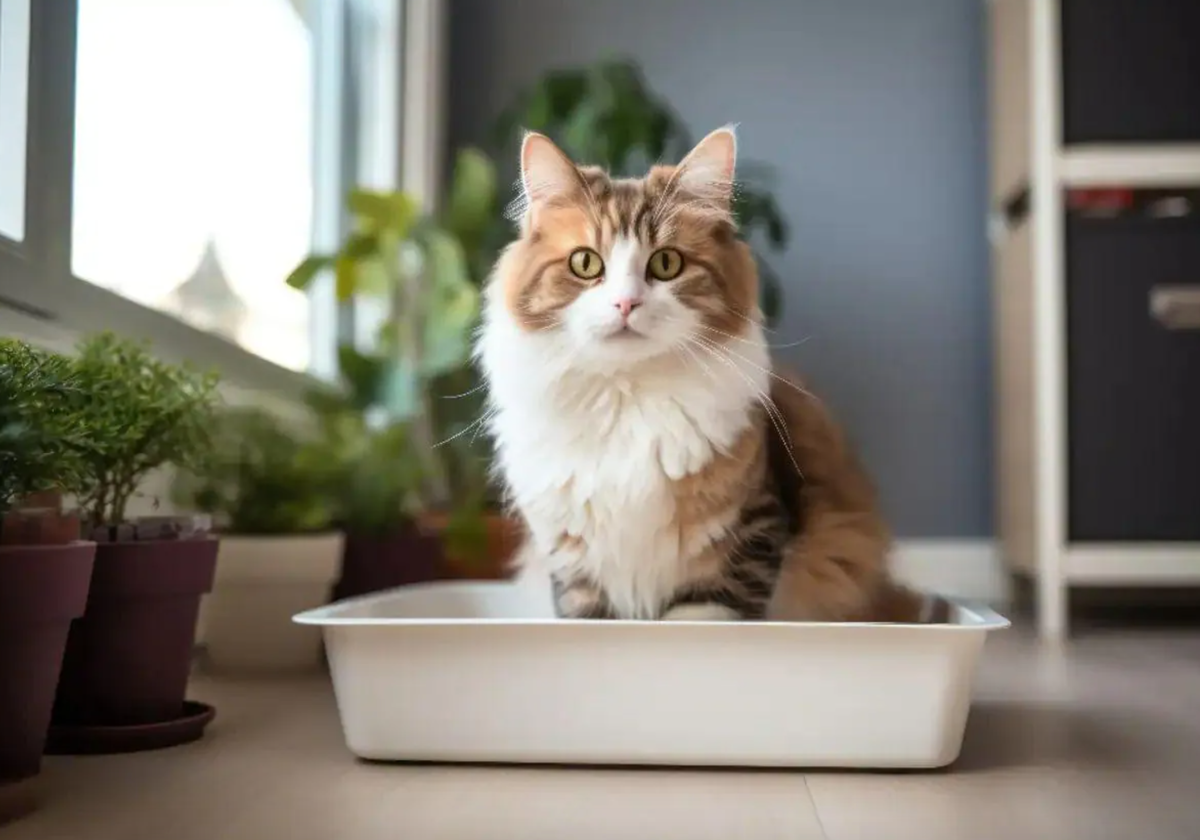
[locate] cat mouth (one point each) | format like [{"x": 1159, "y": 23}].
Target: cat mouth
[{"x": 625, "y": 333}]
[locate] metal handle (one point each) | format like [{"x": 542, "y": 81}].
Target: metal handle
[{"x": 1176, "y": 307}]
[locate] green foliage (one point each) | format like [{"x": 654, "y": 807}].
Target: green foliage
[
  {"x": 141, "y": 414},
  {"x": 375, "y": 478},
  {"x": 262, "y": 476},
  {"x": 605, "y": 114},
  {"x": 42, "y": 438},
  {"x": 385, "y": 422}
]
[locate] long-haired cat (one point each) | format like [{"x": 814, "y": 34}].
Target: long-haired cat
[{"x": 662, "y": 466}]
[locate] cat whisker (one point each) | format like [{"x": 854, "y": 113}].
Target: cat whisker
[
  {"x": 773, "y": 413},
  {"x": 481, "y": 386},
  {"x": 787, "y": 346},
  {"x": 764, "y": 397},
  {"x": 753, "y": 321},
  {"x": 477, "y": 423},
  {"x": 699, "y": 361},
  {"x": 802, "y": 391}
]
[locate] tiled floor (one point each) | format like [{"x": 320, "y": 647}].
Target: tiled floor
[{"x": 1100, "y": 742}]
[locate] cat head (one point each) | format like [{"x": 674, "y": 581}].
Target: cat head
[{"x": 625, "y": 270}]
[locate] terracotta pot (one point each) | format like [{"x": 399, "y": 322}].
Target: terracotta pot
[
  {"x": 128, "y": 657},
  {"x": 504, "y": 536},
  {"x": 261, "y": 582},
  {"x": 42, "y": 588},
  {"x": 372, "y": 562}
]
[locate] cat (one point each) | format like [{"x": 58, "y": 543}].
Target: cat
[{"x": 663, "y": 467}]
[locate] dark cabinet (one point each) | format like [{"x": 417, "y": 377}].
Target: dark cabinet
[
  {"x": 1133, "y": 367},
  {"x": 1130, "y": 71}
]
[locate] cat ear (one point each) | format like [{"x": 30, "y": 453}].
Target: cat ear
[
  {"x": 706, "y": 174},
  {"x": 546, "y": 172}
]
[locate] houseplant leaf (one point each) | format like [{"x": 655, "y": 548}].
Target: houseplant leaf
[
  {"x": 363, "y": 374},
  {"x": 453, "y": 305},
  {"x": 303, "y": 274},
  {"x": 471, "y": 204},
  {"x": 394, "y": 211},
  {"x": 401, "y": 395}
]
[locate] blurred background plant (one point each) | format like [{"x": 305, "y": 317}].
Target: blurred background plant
[
  {"x": 43, "y": 439},
  {"x": 407, "y": 403},
  {"x": 263, "y": 477},
  {"x": 141, "y": 414},
  {"x": 605, "y": 114}
]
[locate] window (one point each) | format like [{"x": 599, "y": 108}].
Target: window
[
  {"x": 185, "y": 155},
  {"x": 193, "y": 163},
  {"x": 14, "y": 89}
]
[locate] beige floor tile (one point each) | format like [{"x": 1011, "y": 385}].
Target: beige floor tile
[{"x": 273, "y": 766}]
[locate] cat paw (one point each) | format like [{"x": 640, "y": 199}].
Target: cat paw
[{"x": 701, "y": 612}]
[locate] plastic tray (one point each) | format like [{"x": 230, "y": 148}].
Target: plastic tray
[{"x": 483, "y": 672}]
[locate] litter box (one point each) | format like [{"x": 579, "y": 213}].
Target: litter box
[{"x": 484, "y": 673}]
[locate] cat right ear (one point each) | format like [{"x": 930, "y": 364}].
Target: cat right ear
[{"x": 546, "y": 173}]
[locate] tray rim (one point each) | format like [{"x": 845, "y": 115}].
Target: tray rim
[{"x": 984, "y": 618}]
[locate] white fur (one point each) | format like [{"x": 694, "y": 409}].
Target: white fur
[
  {"x": 700, "y": 612},
  {"x": 591, "y": 428}
]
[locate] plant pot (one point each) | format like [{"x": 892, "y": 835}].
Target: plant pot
[
  {"x": 262, "y": 581},
  {"x": 128, "y": 659},
  {"x": 42, "y": 588},
  {"x": 371, "y": 562},
  {"x": 504, "y": 534}
]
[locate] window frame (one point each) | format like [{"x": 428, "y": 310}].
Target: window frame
[{"x": 354, "y": 40}]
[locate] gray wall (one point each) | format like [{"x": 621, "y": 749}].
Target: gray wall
[{"x": 873, "y": 113}]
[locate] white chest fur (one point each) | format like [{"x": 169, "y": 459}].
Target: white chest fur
[{"x": 589, "y": 458}]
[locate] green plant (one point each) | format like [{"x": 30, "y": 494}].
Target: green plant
[
  {"x": 605, "y": 114},
  {"x": 262, "y": 476},
  {"x": 422, "y": 266},
  {"x": 141, "y": 414},
  {"x": 374, "y": 475},
  {"x": 43, "y": 439}
]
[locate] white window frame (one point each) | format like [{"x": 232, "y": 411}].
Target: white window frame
[{"x": 378, "y": 115}]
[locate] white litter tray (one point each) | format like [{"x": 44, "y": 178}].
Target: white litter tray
[{"x": 483, "y": 672}]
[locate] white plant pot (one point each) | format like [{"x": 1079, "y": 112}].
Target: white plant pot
[{"x": 261, "y": 582}]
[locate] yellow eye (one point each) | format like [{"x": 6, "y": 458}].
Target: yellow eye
[
  {"x": 666, "y": 264},
  {"x": 586, "y": 264}
]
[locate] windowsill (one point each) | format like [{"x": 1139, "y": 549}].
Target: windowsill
[{"x": 245, "y": 378}]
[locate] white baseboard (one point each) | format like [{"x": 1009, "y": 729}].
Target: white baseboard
[{"x": 959, "y": 568}]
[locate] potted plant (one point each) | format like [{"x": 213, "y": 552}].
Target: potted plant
[
  {"x": 266, "y": 486},
  {"x": 45, "y": 569},
  {"x": 127, "y": 660},
  {"x": 605, "y": 114},
  {"x": 373, "y": 497},
  {"x": 420, "y": 265}
]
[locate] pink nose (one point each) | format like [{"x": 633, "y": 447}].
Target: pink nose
[{"x": 627, "y": 305}]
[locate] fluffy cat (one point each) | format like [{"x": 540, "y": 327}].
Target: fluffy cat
[{"x": 661, "y": 465}]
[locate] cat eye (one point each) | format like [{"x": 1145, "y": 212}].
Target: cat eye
[
  {"x": 586, "y": 264},
  {"x": 666, "y": 264}
]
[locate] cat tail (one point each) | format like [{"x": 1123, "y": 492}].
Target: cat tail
[{"x": 836, "y": 568}]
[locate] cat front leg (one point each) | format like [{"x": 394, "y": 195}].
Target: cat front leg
[
  {"x": 719, "y": 600},
  {"x": 579, "y": 597},
  {"x": 709, "y": 611}
]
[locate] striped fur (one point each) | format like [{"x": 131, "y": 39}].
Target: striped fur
[{"x": 663, "y": 468}]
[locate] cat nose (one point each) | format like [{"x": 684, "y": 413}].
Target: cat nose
[{"x": 627, "y": 305}]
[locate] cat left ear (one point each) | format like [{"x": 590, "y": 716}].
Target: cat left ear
[
  {"x": 706, "y": 174},
  {"x": 546, "y": 172}
]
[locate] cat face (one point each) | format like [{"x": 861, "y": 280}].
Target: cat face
[{"x": 625, "y": 270}]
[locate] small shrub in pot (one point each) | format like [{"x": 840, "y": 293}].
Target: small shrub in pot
[
  {"x": 128, "y": 657},
  {"x": 266, "y": 485},
  {"x": 45, "y": 569}
]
